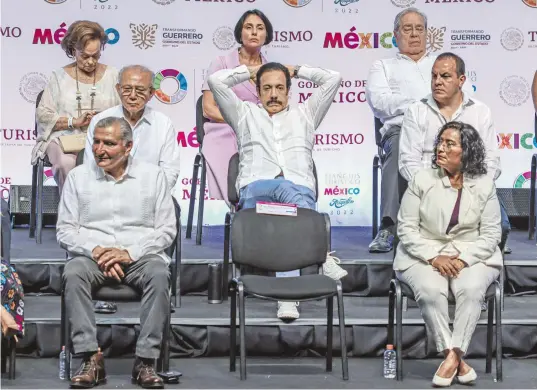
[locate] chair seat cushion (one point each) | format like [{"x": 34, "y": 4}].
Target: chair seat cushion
[
  {"x": 120, "y": 292},
  {"x": 407, "y": 292},
  {"x": 299, "y": 287}
]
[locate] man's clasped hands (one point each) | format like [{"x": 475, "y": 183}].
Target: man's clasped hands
[{"x": 111, "y": 261}]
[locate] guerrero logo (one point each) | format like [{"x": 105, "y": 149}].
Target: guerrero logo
[
  {"x": 522, "y": 180},
  {"x": 182, "y": 86},
  {"x": 435, "y": 38},
  {"x": 530, "y": 3},
  {"x": 224, "y": 38},
  {"x": 143, "y": 35},
  {"x": 512, "y": 39},
  {"x": 31, "y": 84},
  {"x": 514, "y": 90},
  {"x": 297, "y": 3},
  {"x": 403, "y": 3}
]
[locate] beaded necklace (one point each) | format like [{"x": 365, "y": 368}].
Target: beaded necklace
[{"x": 79, "y": 94}]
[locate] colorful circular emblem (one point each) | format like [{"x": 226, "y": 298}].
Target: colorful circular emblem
[
  {"x": 55, "y": 1},
  {"x": 182, "y": 86},
  {"x": 522, "y": 179},
  {"x": 530, "y": 3},
  {"x": 297, "y": 3}
]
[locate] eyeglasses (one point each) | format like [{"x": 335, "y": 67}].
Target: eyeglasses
[
  {"x": 447, "y": 145},
  {"x": 126, "y": 90},
  {"x": 407, "y": 30}
]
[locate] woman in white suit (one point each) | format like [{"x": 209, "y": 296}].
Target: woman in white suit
[{"x": 449, "y": 230}]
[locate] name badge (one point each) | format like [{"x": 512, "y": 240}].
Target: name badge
[{"x": 276, "y": 209}]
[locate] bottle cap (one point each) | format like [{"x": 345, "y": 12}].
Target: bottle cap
[{"x": 389, "y": 346}]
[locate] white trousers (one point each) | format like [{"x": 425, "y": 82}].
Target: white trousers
[{"x": 431, "y": 292}]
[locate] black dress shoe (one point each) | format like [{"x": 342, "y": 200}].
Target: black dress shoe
[
  {"x": 103, "y": 307},
  {"x": 382, "y": 243}
]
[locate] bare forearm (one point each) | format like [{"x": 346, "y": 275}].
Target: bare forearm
[
  {"x": 213, "y": 113},
  {"x": 61, "y": 124}
]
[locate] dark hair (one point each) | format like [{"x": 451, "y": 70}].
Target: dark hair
[
  {"x": 79, "y": 33},
  {"x": 473, "y": 148},
  {"x": 272, "y": 66},
  {"x": 459, "y": 62},
  {"x": 266, "y": 22}
]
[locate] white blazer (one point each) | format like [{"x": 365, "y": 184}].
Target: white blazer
[{"x": 425, "y": 214}]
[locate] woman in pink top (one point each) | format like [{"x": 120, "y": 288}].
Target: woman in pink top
[{"x": 252, "y": 32}]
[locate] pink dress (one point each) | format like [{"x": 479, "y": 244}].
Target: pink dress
[{"x": 220, "y": 142}]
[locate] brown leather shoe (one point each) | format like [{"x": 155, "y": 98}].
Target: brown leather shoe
[
  {"x": 90, "y": 373},
  {"x": 145, "y": 375}
]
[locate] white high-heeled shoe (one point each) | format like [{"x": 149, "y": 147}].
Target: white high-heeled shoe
[
  {"x": 438, "y": 381},
  {"x": 467, "y": 378}
]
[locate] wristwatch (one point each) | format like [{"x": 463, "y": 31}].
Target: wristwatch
[{"x": 295, "y": 73}]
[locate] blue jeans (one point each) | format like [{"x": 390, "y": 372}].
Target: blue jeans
[{"x": 277, "y": 190}]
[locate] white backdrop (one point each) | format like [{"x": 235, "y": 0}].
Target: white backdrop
[{"x": 496, "y": 38}]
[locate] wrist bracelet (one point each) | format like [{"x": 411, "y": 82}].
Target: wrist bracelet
[{"x": 70, "y": 122}]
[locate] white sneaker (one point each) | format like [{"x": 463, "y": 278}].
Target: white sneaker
[
  {"x": 287, "y": 311},
  {"x": 332, "y": 269}
]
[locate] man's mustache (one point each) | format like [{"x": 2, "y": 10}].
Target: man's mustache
[{"x": 274, "y": 101}]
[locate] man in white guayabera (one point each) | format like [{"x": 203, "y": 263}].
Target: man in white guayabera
[{"x": 276, "y": 141}]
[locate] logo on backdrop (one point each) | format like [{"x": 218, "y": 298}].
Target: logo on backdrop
[
  {"x": 359, "y": 40},
  {"x": 55, "y": 1},
  {"x": 297, "y": 3},
  {"x": 224, "y": 38},
  {"x": 182, "y": 86},
  {"x": 512, "y": 39},
  {"x": 163, "y": 2},
  {"x": 174, "y": 37},
  {"x": 461, "y": 39},
  {"x": 516, "y": 141},
  {"x": 31, "y": 84},
  {"x": 143, "y": 35},
  {"x": 435, "y": 38},
  {"x": 403, "y": 3},
  {"x": 283, "y": 39},
  {"x": 4, "y": 189},
  {"x": 189, "y": 140},
  {"x": 10, "y": 32},
  {"x": 16, "y": 137},
  {"x": 523, "y": 180},
  {"x": 351, "y": 91},
  {"x": 530, "y": 3},
  {"x": 471, "y": 76},
  {"x": 331, "y": 142},
  {"x": 46, "y": 37},
  {"x": 514, "y": 90},
  {"x": 460, "y": 1},
  {"x": 105, "y": 7},
  {"x": 345, "y": 6}
]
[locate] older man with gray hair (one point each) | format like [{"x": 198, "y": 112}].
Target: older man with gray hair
[
  {"x": 393, "y": 85},
  {"x": 154, "y": 137},
  {"x": 116, "y": 218}
]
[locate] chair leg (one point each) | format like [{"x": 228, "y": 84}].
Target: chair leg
[
  {"x": 233, "y": 327},
  {"x": 329, "y": 332},
  {"x": 225, "y": 268},
  {"x": 391, "y": 312},
  {"x": 502, "y": 287},
  {"x": 192, "y": 196},
  {"x": 342, "y": 336},
  {"x": 201, "y": 205},
  {"x": 12, "y": 357},
  {"x": 166, "y": 342},
  {"x": 33, "y": 201},
  {"x": 3, "y": 353},
  {"x": 375, "y": 207},
  {"x": 499, "y": 337},
  {"x": 399, "y": 332},
  {"x": 242, "y": 330},
  {"x": 66, "y": 338},
  {"x": 490, "y": 312},
  {"x": 39, "y": 199}
]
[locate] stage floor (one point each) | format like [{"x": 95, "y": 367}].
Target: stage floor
[
  {"x": 350, "y": 244},
  {"x": 277, "y": 373}
]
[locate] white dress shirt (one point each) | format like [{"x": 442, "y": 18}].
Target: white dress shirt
[
  {"x": 395, "y": 83},
  {"x": 420, "y": 127},
  {"x": 154, "y": 141},
  {"x": 283, "y": 142},
  {"x": 135, "y": 213}
]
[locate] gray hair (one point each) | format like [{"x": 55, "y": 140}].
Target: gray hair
[
  {"x": 140, "y": 68},
  {"x": 411, "y": 10},
  {"x": 124, "y": 126}
]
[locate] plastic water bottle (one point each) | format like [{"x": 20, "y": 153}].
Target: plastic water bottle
[
  {"x": 390, "y": 362},
  {"x": 63, "y": 357}
]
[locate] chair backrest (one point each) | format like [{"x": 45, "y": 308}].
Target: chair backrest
[
  {"x": 270, "y": 242},
  {"x": 37, "y": 101},
  {"x": 200, "y": 120},
  {"x": 535, "y": 125},
  {"x": 378, "y": 136},
  {"x": 80, "y": 158},
  {"x": 233, "y": 174}
]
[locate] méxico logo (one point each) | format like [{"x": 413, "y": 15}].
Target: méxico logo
[{"x": 181, "y": 89}]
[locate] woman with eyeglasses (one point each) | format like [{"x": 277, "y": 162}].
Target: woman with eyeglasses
[{"x": 73, "y": 95}]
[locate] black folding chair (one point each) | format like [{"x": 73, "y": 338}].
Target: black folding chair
[
  {"x": 269, "y": 242},
  {"x": 199, "y": 161},
  {"x": 378, "y": 160},
  {"x": 36, "y": 206}
]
